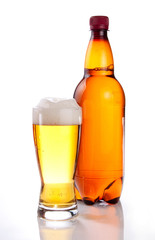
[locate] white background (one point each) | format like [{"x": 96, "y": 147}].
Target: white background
[{"x": 42, "y": 50}]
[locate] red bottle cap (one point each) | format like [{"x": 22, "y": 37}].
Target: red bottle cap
[{"x": 99, "y": 22}]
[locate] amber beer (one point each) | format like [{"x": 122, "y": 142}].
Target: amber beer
[
  {"x": 56, "y": 141},
  {"x": 100, "y": 168}
]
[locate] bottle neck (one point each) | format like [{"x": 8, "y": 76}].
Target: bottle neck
[{"x": 99, "y": 58}]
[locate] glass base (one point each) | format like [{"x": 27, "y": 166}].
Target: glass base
[{"x": 56, "y": 214}]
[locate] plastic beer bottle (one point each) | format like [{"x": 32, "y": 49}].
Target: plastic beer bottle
[{"x": 99, "y": 172}]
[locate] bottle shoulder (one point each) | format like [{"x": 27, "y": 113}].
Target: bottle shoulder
[{"x": 98, "y": 86}]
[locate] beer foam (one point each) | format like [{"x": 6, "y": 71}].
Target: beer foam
[{"x": 57, "y": 111}]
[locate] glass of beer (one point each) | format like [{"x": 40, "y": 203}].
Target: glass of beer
[{"x": 56, "y": 126}]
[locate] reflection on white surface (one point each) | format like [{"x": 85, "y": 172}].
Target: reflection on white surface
[
  {"x": 94, "y": 222},
  {"x": 56, "y": 230},
  {"x": 101, "y": 222}
]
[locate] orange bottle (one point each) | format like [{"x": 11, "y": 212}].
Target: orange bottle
[{"x": 99, "y": 172}]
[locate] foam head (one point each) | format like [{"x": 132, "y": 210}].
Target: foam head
[{"x": 57, "y": 111}]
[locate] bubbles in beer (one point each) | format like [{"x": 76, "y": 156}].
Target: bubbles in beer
[{"x": 57, "y": 111}]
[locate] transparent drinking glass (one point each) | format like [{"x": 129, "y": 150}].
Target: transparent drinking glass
[{"x": 56, "y": 126}]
